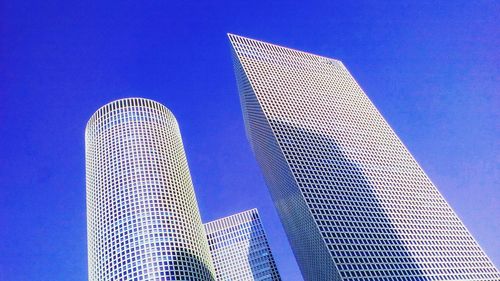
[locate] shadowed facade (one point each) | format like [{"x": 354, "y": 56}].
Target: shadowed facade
[{"x": 239, "y": 248}]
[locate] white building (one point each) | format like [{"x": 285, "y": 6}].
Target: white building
[
  {"x": 240, "y": 250},
  {"x": 142, "y": 216},
  {"x": 354, "y": 202}
]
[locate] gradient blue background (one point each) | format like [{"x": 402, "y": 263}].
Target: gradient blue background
[{"x": 431, "y": 68}]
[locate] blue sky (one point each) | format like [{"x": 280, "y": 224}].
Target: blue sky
[{"x": 430, "y": 68}]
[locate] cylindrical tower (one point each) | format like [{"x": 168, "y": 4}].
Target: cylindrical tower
[{"x": 143, "y": 221}]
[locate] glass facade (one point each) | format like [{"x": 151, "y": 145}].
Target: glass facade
[
  {"x": 355, "y": 204},
  {"x": 143, "y": 221},
  {"x": 240, "y": 250}
]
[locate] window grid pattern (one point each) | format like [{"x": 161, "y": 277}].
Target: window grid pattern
[
  {"x": 377, "y": 213},
  {"x": 294, "y": 214},
  {"x": 142, "y": 216},
  {"x": 240, "y": 250}
]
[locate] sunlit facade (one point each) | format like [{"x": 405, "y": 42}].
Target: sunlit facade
[
  {"x": 143, "y": 221},
  {"x": 240, "y": 250},
  {"x": 354, "y": 203}
]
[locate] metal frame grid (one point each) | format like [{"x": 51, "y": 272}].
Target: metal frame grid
[
  {"x": 142, "y": 216},
  {"x": 354, "y": 202},
  {"x": 239, "y": 248}
]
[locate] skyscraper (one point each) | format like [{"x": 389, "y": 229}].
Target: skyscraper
[
  {"x": 353, "y": 201},
  {"x": 239, "y": 248},
  {"x": 143, "y": 221}
]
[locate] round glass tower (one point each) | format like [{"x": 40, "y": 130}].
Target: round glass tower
[{"x": 143, "y": 221}]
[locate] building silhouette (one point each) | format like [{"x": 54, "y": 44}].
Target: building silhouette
[
  {"x": 143, "y": 221},
  {"x": 240, "y": 250},
  {"x": 353, "y": 201}
]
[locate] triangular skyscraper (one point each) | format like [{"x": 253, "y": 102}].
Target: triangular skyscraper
[{"x": 353, "y": 201}]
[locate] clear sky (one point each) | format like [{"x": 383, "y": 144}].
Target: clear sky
[{"x": 431, "y": 69}]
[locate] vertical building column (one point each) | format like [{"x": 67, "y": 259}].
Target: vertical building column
[{"x": 142, "y": 215}]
